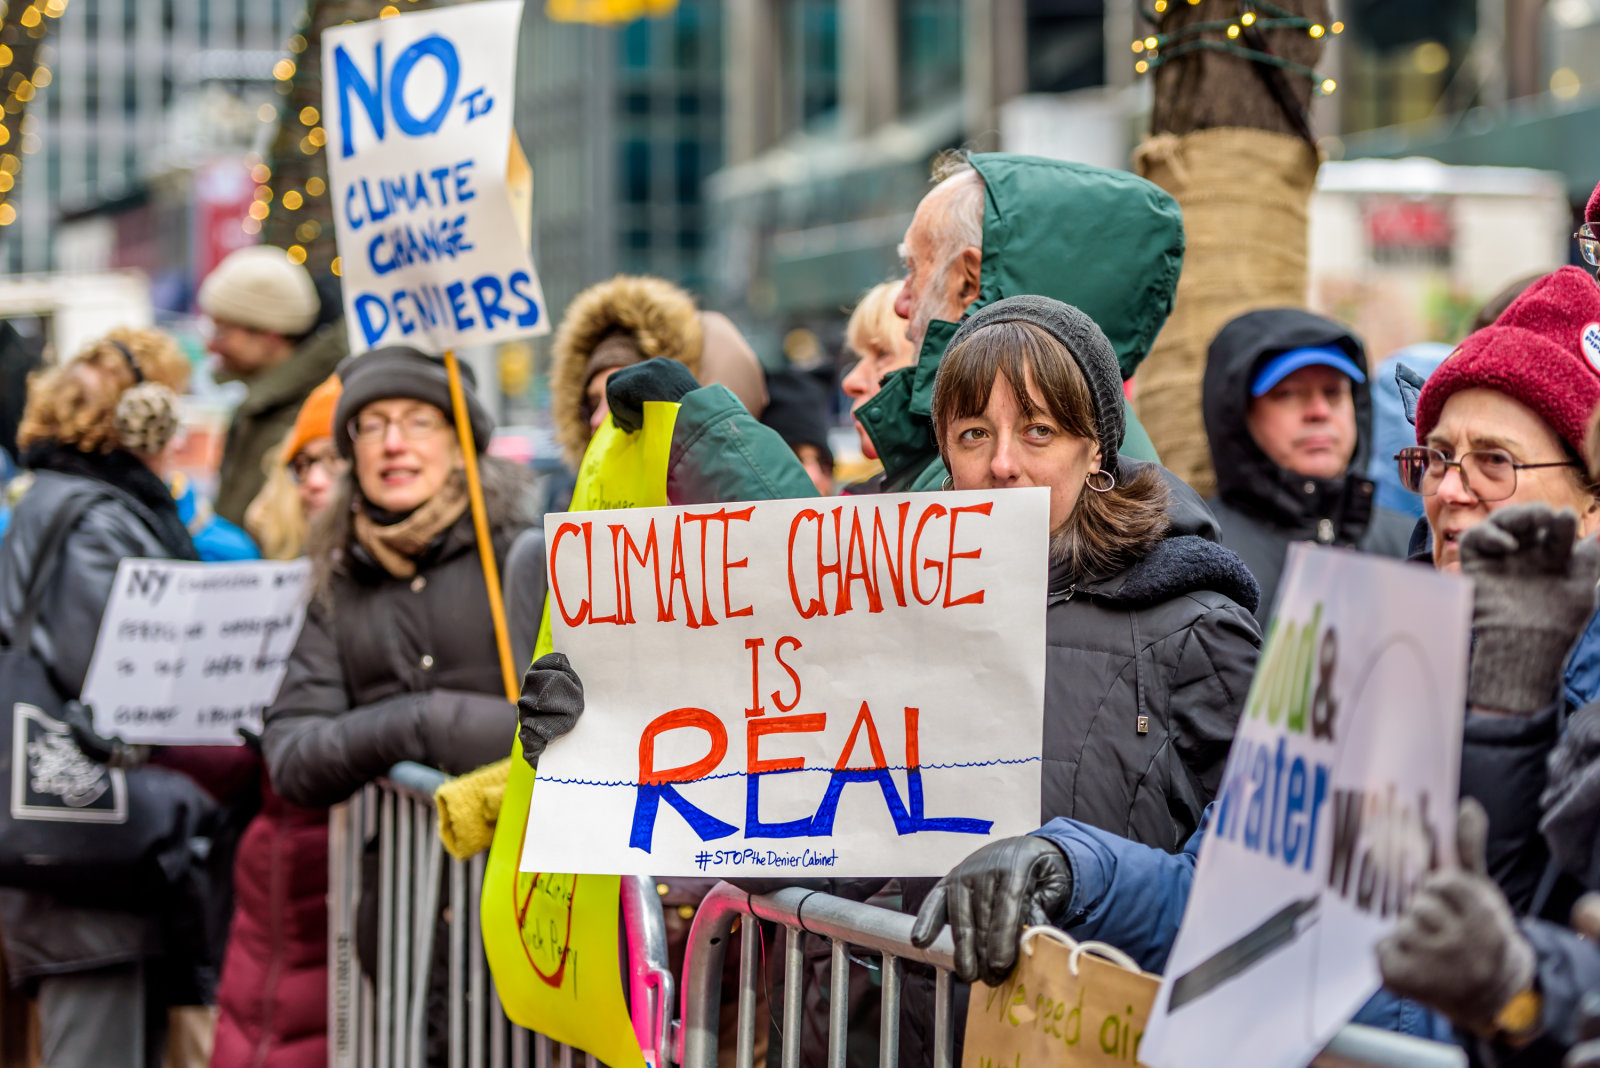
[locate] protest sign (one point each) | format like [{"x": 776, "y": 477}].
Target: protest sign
[
  {"x": 1068, "y": 1004},
  {"x": 796, "y": 688},
  {"x": 1338, "y": 798},
  {"x": 423, "y": 170},
  {"x": 189, "y": 653},
  {"x": 551, "y": 938}
]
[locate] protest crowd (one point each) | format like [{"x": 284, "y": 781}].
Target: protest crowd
[{"x": 198, "y": 931}]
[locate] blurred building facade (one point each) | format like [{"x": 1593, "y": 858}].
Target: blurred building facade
[
  {"x": 150, "y": 111},
  {"x": 834, "y": 109}
]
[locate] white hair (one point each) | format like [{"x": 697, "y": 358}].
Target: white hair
[{"x": 960, "y": 224}]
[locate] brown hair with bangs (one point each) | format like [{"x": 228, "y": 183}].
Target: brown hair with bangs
[{"x": 1106, "y": 531}]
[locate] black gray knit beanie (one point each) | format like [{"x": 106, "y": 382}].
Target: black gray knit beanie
[
  {"x": 402, "y": 371},
  {"x": 1089, "y": 348}
]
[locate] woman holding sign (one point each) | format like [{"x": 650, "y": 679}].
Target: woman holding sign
[{"x": 1150, "y": 637}]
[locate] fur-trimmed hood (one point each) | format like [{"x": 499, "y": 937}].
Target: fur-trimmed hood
[{"x": 662, "y": 319}]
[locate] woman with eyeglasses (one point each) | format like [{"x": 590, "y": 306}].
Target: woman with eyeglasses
[{"x": 397, "y": 659}]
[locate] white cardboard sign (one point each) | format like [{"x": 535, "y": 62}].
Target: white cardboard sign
[
  {"x": 1338, "y": 798},
  {"x": 841, "y": 687},
  {"x": 425, "y": 175},
  {"x": 188, "y": 653}
]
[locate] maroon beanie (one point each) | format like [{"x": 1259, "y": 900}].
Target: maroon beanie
[
  {"x": 1591, "y": 211},
  {"x": 1543, "y": 350}
]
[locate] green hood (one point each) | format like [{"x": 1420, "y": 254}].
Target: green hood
[{"x": 1107, "y": 242}]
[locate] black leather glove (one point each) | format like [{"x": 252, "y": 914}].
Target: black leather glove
[
  {"x": 659, "y": 379},
  {"x": 551, "y": 702},
  {"x": 113, "y": 752},
  {"x": 988, "y": 898}
]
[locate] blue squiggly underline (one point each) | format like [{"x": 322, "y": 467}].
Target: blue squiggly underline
[{"x": 790, "y": 771}]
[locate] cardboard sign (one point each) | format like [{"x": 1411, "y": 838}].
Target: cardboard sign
[
  {"x": 1068, "y": 1004},
  {"x": 1338, "y": 798},
  {"x": 844, "y": 687},
  {"x": 189, "y": 653},
  {"x": 425, "y": 177}
]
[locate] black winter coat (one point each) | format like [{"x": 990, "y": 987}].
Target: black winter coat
[
  {"x": 392, "y": 669},
  {"x": 1263, "y": 507},
  {"x": 42, "y": 935},
  {"x": 1146, "y": 674}
]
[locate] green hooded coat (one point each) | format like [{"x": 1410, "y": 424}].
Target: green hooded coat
[{"x": 1107, "y": 242}]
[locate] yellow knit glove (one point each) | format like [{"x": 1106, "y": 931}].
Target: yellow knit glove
[{"x": 468, "y": 807}]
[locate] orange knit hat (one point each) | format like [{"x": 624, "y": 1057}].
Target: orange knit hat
[{"x": 315, "y": 419}]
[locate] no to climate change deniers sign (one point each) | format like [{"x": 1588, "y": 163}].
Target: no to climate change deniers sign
[
  {"x": 420, "y": 153},
  {"x": 1338, "y": 798},
  {"x": 189, "y": 653},
  {"x": 852, "y": 686}
]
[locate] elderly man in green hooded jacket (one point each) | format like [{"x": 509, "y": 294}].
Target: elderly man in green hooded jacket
[{"x": 995, "y": 225}]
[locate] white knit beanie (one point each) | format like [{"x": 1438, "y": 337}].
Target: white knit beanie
[{"x": 260, "y": 288}]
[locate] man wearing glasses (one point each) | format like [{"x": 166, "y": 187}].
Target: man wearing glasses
[{"x": 1289, "y": 419}]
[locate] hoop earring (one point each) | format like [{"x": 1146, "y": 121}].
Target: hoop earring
[
  {"x": 1111, "y": 481},
  {"x": 948, "y": 484}
]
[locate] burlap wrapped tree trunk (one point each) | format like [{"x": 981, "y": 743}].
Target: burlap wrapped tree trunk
[
  {"x": 1244, "y": 195},
  {"x": 1230, "y": 140}
]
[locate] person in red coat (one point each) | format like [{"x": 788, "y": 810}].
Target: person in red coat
[{"x": 272, "y": 1001}]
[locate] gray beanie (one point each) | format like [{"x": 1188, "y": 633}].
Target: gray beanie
[
  {"x": 402, "y": 371},
  {"x": 1089, "y": 348}
]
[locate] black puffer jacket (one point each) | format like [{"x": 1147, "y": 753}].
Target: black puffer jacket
[
  {"x": 392, "y": 669},
  {"x": 1263, "y": 507},
  {"x": 1146, "y": 673}
]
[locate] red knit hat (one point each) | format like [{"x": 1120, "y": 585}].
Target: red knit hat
[
  {"x": 1544, "y": 351},
  {"x": 1591, "y": 211}
]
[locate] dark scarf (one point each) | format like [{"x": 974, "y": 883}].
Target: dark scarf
[{"x": 127, "y": 474}]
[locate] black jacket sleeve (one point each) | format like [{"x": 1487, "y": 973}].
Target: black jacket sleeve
[
  {"x": 71, "y": 613},
  {"x": 1208, "y": 691}
]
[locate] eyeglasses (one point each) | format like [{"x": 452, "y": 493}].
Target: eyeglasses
[
  {"x": 414, "y": 426},
  {"x": 1488, "y": 474},
  {"x": 332, "y": 464},
  {"x": 1589, "y": 244}
]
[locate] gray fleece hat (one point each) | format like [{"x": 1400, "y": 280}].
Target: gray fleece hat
[
  {"x": 402, "y": 371},
  {"x": 1083, "y": 338}
]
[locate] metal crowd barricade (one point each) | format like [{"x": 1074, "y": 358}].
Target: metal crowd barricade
[
  {"x": 427, "y": 924},
  {"x": 849, "y": 924}
]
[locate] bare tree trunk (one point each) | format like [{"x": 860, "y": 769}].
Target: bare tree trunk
[
  {"x": 1229, "y": 141},
  {"x": 1205, "y": 89}
]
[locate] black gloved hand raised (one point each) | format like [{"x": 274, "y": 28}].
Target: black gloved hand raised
[
  {"x": 551, "y": 702},
  {"x": 659, "y": 379},
  {"x": 988, "y": 898},
  {"x": 112, "y": 752}
]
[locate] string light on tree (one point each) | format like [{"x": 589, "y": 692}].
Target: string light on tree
[{"x": 1263, "y": 16}]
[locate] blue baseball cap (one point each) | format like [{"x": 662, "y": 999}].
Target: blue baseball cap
[{"x": 1285, "y": 364}]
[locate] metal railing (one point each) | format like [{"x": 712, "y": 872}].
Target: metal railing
[
  {"x": 849, "y": 924},
  {"x": 425, "y": 901}
]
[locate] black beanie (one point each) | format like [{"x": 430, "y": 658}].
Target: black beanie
[
  {"x": 797, "y": 408},
  {"x": 400, "y": 371}
]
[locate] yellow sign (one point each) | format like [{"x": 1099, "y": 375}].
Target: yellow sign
[
  {"x": 1068, "y": 1004},
  {"x": 606, "y": 12},
  {"x": 551, "y": 939}
]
